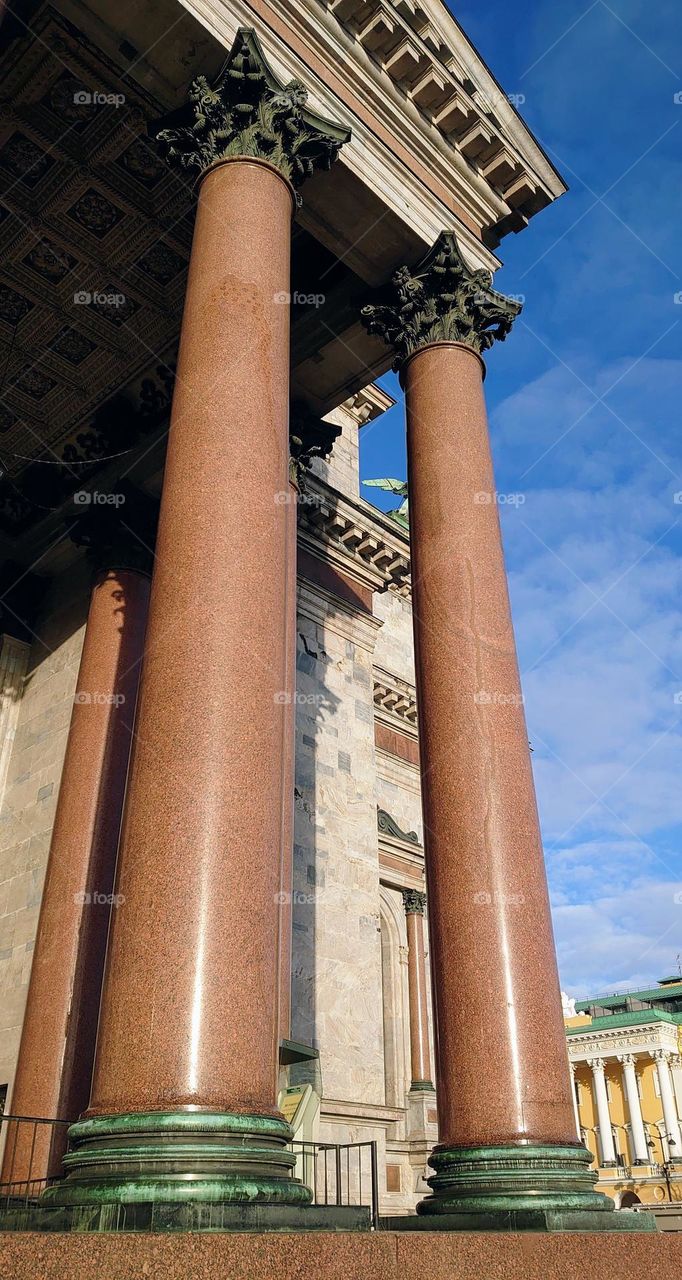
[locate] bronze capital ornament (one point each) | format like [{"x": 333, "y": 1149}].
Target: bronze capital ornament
[
  {"x": 246, "y": 112},
  {"x": 440, "y": 300}
]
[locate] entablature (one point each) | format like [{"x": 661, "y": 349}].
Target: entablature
[
  {"x": 355, "y": 538},
  {"x": 609, "y": 1044},
  {"x": 395, "y": 702}
]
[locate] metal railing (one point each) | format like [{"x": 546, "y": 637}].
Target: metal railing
[
  {"x": 31, "y": 1150},
  {"x": 340, "y": 1173}
]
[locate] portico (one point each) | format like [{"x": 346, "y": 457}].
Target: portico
[{"x": 346, "y": 213}]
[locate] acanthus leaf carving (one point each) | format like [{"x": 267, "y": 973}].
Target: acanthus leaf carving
[{"x": 247, "y": 112}]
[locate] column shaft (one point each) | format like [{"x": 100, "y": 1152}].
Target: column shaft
[
  {"x": 60, "y": 1024},
  {"x": 420, "y": 1055},
  {"x": 640, "y": 1151},
  {"x": 289, "y": 768},
  {"x": 200, "y": 856},
  {"x": 495, "y": 983},
  {"x": 576, "y": 1110},
  {"x": 608, "y": 1150},
  {"x": 670, "y": 1119}
]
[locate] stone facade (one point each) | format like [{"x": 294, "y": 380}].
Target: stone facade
[{"x": 41, "y": 696}]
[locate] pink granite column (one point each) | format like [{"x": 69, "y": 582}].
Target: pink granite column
[
  {"x": 507, "y": 1136},
  {"x": 58, "y": 1037},
  {"x": 288, "y": 766},
  {"x": 420, "y": 1053},
  {"x": 189, "y": 1026},
  {"x": 496, "y": 990},
  {"x": 184, "y": 1095},
  {"x": 189, "y": 1014}
]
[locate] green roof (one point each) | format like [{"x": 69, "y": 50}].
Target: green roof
[
  {"x": 624, "y": 1020},
  {"x": 649, "y": 993}
]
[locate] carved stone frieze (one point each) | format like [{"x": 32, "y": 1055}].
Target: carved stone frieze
[
  {"x": 247, "y": 112},
  {"x": 440, "y": 300}
]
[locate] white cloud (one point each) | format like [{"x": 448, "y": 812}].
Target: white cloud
[{"x": 601, "y": 675}]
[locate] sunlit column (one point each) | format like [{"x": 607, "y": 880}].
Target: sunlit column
[
  {"x": 640, "y": 1149},
  {"x": 608, "y": 1150}
]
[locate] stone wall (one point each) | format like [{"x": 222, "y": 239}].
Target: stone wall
[
  {"x": 336, "y": 943},
  {"x": 30, "y": 795}
]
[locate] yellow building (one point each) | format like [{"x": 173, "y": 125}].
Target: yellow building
[{"x": 624, "y": 1051}]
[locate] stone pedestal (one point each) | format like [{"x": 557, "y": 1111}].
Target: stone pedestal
[{"x": 58, "y": 1039}]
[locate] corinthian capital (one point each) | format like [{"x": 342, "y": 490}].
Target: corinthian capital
[
  {"x": 440, "y": 300},
  {"x": 247, "y": 112},
  {"x": 414, "y": 902}
]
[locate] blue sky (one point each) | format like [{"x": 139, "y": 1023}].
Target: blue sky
[{"x": 584, "y": 402}]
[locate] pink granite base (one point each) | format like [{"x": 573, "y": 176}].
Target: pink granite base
[{"x": 381, "y": 1256}]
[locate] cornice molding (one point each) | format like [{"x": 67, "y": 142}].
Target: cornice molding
[
  {"x": 420, "y": 48},
  {"x": 395, "y": 702},
  {"x": 354, "y": 537},
  {"x": 319, "y": 605},
  {"x": 610, "y": 1044}
]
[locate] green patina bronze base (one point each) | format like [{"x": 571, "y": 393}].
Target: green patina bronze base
[
  {"x": 190, "y": 1215},
  {"x": 545, "y": 1220},
  {"x": 180, "y": 1157},
  {"x": 518, "y": 1188}
]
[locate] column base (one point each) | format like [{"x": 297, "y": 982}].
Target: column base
[
  {"x": 545, "y": 1220},
  {"x": 192, "y": 1216},
  {"x": 476, "y": 1181},
  {"x": 422, "y": 1086},
  {"x": 172, "y": 1158}
]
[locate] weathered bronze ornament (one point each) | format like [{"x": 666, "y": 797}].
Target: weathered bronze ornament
[
  {"x": 247, "y": 112},
  {"x": 440, "y": 300}
]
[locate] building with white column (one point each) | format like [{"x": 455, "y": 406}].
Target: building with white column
[{"x": 624, "y": 1050}]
